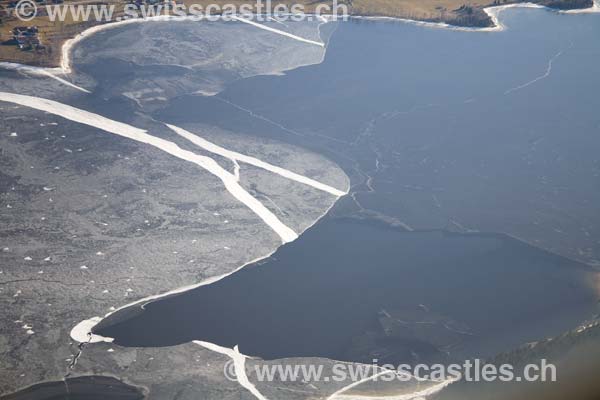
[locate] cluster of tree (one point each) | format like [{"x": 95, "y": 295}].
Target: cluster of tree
[
  {"x": 567, "y": 4},
  {"x": 467, "y": 15}
]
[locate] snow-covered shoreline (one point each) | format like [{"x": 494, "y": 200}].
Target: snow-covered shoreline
[
  {"x": 67, "y": 48},
  {"x": 493, "y": 11}
]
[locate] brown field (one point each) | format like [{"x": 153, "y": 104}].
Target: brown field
[
  {"x": 414, "y": 9},
  {"x": 53, "y": 34}
]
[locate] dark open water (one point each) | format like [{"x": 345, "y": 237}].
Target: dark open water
[{"x": 328, "y": 294}]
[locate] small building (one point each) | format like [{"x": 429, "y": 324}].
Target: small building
[{"x": 26, "y": 37}]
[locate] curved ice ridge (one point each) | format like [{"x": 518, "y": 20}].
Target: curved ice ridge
[
  {"x": 545, "y": 75},
  {"x": 419, "y": 394}
]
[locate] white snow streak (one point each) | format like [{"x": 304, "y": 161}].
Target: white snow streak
[
  {"x": 278, "y": 31},
  {"x": 37, "y": 71},
  {"x": 239, "y": 362},
  {"x": 236, "y": 170},
  {"x": 539, "y": 78},
  {"x": 357, "y": 383},
  {"x": 140, "y": 135},
  {"x": 420, "y": 394},
  {"x": 235, "y": 156}
]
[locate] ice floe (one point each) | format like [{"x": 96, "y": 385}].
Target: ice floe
[{"x": 140, "y": 135}]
